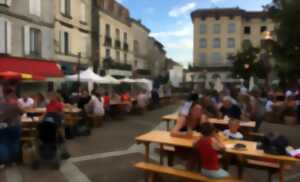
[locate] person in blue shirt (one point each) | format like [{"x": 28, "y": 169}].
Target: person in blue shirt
[{"x": 229, "y": 109}]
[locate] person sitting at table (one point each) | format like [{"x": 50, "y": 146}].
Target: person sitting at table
[
  {"x": 95, "y": 106},
  {"x": 210, "y": 107},
  {"x": 40, "y": 101},
  {"x": 229, "y": 109},
  {"x": 233, "y": 130},
  {"x": 84, "y": 98},
  {"x": 26, "y": 102},
  {"x": 142, "y": 101},
  {"x": 106, "y": 102},
  {"x": 190, "y": 118},
  {"x": 125, "y": 97},
  {"x": 208, "y": 147}
]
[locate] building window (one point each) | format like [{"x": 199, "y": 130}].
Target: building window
[
  {"x": 230, "y": 43},
  {"x": 118, "y": 56},
  {"x": 5, "y": 36},
  {"x": 83, "y": 12},
  {"x": 136, "y": 46},
  {"x": 107, "y": 53},
  {"x": 231, "y": 17},
  {"x": 84, "y": 44},
  {"x": 35, "y": 7},
  {"x": 125, "y": 37},
  {"x": 216, "y": 57},
  {"x": 263, "y": 29},
  {"x": 65, "y": 7},
  {"x": 35, "y": 42},
  {"x": 217, "y": 17},
  {"x": 118, "y": 34},
  {"x": 5, "y": 2},
  {"x": 247, "y": 30},
  {"x": 203, "y": 58},
  {"x": 203, "y": 43},
  {"x": 125, "y": 58},
  {"x": 65, "y": 43},
  {"x": 107, "y": 30},
  {"x": 231, "y": 28},
  {"x": 202, "y": 28},
  {"x": 203, "y": 18},
  {"x": 216, "y": 28},
  {"x": 216, "y": 43}
]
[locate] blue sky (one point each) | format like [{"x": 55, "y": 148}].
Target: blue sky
[{"x": 170, "y": 22}]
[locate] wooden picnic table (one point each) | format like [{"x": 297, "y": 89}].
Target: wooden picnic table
[
  {"x": 173, "y": 118},
  {"x": 164, "y": 138},
  {"x": 42, "y": 110}
]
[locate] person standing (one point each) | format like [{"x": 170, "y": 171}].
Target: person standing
[{"x": 10, "y": 128}]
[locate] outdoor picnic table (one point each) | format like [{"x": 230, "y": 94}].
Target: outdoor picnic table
[
  {"x": 164, "y": 138},
  {"x": 173, "y": 118},
  {"x": 42, "y": 110}
]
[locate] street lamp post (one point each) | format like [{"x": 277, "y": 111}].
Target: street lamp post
[{"x": 265, "y": 57}]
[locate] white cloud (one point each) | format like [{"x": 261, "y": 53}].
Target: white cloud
[
  {"x": 216, "y": 1},
  {"x": 178, "y": 42},
  {"x": 177, "y": 11}
]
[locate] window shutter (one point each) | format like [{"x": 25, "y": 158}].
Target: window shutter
[
  {"x": 62, "y": 6},
  {"x": 26, "y": 40},
  {"x": 82, "y": 12},
  {"x": 9, "y": 37},
  {"x": 69, "y": 43},
  {"x": 2, "y": 35},
  {"x": 31, "y": 7},
  {"x": 38, "y": 7},
  {"x": 62, "y": 42},
  {"x": 83, "y": 45},
  {"x": 8, "y": 2}
]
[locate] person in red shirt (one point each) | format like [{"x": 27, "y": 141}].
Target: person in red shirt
[
  {"x": 125, "y": 97},
  {"x": 106, "y": 100},
  {"x": 55, "y": 105},
  {"x": 208, "y": 146}
]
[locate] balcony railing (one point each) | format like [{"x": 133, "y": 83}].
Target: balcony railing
[
  {"x": 109, "y": 63},
  {"x": 143, "y": 72},
  {"x": 108, "y": 41},
  {"x": 117, "y": 44}
]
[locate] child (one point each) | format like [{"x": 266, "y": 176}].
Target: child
[
  {"x": 208, "y": 147},
  {"x": 233, "y": 132}
]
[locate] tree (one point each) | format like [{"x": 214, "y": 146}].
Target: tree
[
  {"x": 245, "y": 62},
  {"x": 286, "y": 49}
]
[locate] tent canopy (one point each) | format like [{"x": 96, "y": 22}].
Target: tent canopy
[
  {"x": 87, "y": 76},
  {"x": 111, "y": 80}
]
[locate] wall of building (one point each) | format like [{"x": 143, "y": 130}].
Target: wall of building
[
  {"x": 18, "y": 14},
  {"x": 114, "y": 24},
  {"x": 141, "y": 36},
  {"x": 79, "y": 32}
]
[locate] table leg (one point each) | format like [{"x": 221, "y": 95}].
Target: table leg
[
  {"x": 168, "y": 125},
  {"x": 147, "y": 150},
  {"x": 281, "y": 171},
  {"x": 161, "y": 157}
]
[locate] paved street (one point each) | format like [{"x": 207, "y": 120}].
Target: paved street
[{"x": 108, "y": 154}]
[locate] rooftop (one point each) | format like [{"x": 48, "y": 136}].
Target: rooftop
[{"x": 228, "y": 12}]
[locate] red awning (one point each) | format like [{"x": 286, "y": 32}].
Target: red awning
[{"x": 35, "y": 67}]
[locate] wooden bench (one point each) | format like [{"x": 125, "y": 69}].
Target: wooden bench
[
  {"x": 271, "y": 167},
  {"x": 154, "y": 169}
]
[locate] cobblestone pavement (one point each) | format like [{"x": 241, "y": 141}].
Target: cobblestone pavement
[{"x": 108, "y": 154}]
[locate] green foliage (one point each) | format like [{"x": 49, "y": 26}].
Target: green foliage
[
  {"x": 286, "y": 13},
  {"x": 245, "y": 62}
]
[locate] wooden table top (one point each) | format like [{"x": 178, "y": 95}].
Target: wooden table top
[
  {"x": 164, "y": 137},
  {"x": 42, "y": 110},
  {"x": 30, "y": 120},
  {"x": 248, "y": 124}
]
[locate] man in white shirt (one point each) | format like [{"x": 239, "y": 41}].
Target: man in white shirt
[{"x": 25, "y": 102}]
